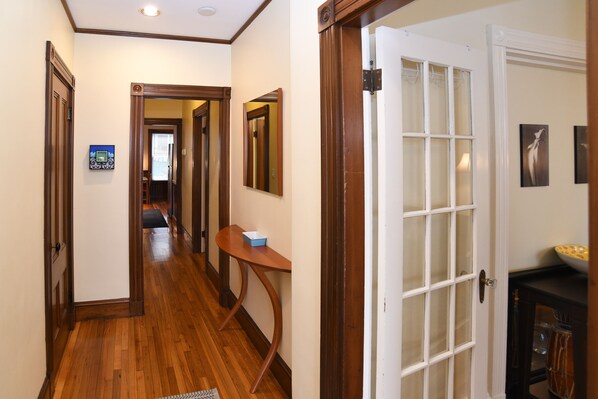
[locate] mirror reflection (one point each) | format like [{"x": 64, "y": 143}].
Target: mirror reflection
[{"x": 262, "y": 166}]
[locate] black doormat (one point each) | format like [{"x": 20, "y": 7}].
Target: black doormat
[{"x": 153, "y": 218}]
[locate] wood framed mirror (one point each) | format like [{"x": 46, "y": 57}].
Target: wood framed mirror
[{"x": 262, "y": 143}]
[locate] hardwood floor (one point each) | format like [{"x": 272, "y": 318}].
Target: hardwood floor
[{"x": 175, "y": 348}]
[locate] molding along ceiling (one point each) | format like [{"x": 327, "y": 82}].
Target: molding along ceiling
[{"x": 178, "y": 19}]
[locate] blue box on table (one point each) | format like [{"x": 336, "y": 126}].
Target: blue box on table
[{"x": 254, "y": 238}]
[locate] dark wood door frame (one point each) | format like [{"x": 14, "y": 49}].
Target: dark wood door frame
[
  {"x": 178, "y": 145},
  {"x": 341, "y": 102},
  {"x": 139, "y": 92},
  {"x": 203, "y": 111},
  {"x": 341, "y": 350},
  {"x": 55, "y": 66},
  {"x": 592, "y": 82}
]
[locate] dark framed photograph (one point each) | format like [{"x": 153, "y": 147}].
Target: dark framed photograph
[
  {"x": 101, "y": 157},
  {"x": 580, "y": 138},
  {"x": 534, "y": 155}
]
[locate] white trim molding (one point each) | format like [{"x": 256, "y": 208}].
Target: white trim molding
[
  {"x": 515, "y": 47},
  {"x": 538, "y": 50},
  {"x": 509, "y": 46}
]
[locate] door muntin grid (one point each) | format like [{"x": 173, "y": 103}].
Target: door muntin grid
[{"x": 439, "y": 219}]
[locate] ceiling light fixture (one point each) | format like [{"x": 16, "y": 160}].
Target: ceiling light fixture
[
  {"x": 206, "y": 11},
  {"x": 150, "y": 11}
]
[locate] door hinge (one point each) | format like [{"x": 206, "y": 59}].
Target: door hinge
[
  {"x": 69, "y": 114},
  {"x": 372, "y": 79},
  {"x": 203, "y": 234}
]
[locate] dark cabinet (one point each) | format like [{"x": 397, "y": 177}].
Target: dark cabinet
[{"x": 564, "y": 290}]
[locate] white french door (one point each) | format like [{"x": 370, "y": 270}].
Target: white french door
[{"x": 433, "y": 218}]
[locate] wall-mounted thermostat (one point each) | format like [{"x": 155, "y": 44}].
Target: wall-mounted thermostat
[{"x": 101, "y": 157}]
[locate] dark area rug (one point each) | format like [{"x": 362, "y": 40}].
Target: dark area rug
[
  {"x": 153, "y": 218},
  {"x": 209, "y": 394}
]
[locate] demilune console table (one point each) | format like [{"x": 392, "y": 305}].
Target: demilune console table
[{"x": 260, "y": 260}]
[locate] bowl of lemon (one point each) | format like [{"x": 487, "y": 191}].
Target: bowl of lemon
[{"x": 576, "y": 256}]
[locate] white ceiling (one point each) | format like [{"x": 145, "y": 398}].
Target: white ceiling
[{"x": 177, "y": 17}]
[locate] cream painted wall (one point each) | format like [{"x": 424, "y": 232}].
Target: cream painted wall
[
  {"x": 303, "y": 102},
  {"x": 563, "y": 18},
  {"x": 187, "y": 173},
  {"x": 105, "y": 68},
  {"x": 259, "y": 69},
  {"x": 542, "y": 217},
  {"x": 161, "y": 108},
  {"x": 24, "y": 28}
]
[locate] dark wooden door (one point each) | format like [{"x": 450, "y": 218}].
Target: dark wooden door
[
  {"x": 201, "y": 123},
  {"x": 60, "y": 216}
]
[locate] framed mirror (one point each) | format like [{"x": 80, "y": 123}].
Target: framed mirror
[{"x": 262, "y": 143}]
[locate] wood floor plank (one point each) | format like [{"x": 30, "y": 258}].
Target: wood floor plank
[{"x": 174, "y": 348}]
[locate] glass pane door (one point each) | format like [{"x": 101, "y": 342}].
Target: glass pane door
[
  {"x": 438, "y": 270},
  {"x": 429, "y": 213}
]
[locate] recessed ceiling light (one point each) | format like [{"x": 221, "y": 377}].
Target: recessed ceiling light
[
  {"x": 206, "y": 11},
  {"x": 150, "y": 11}
]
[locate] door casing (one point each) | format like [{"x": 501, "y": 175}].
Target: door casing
[{"x": 139, "y": 92}]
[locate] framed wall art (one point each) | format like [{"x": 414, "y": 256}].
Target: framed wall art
[
  {"x": 580, "y": 140},
  {"x": 534, "y": 155}
]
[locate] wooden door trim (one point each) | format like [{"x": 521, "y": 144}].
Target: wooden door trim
[
  {"x": 224, "y": 194},
  {"x": 592, "y": 83},
  {"x": 139, "y": 92},
  {"x": 341, "y": 102},
  {"x": 206, "y": 182},
  {"x": 178, "y": 144},
  {"x": 55, "y": 66},
  {"x": 196, "y": 180}
]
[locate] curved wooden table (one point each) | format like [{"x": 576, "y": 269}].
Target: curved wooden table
[{"x": 260, "y": 260}]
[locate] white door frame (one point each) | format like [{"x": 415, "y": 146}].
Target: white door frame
[{"x": 531, "y": 49}]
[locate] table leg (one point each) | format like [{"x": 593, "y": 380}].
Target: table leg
[
  {"x": 527, "y": 316},
  {"x": 235, "y": 308},
  {"x": 580, "y": 341},
  {"x": 277, "y": 334}
]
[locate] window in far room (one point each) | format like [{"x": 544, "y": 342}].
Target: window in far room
[{"x": 160, "y": 142}]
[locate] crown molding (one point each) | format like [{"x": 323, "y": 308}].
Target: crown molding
[{"x": 149, "y": 35}]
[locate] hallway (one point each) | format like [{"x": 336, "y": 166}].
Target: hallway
[{"x": 175, "y": 348}]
